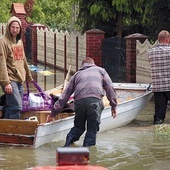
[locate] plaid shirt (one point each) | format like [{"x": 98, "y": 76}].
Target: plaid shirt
[{"x": 159, "y": 59}]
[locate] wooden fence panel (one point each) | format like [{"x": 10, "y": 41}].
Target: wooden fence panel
[
  {"x": 55, "y": 48},
  {"x": 143, "y": 71},
  {"x": 60, "y": 47}
]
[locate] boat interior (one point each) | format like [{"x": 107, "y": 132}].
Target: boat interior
[
  {"x": 122, "y": 96},
  {"x": 40, "y": 116}
]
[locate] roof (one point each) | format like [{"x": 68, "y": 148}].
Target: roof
[{"x": 18, "y": 8}]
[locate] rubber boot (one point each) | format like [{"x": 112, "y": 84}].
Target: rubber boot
[{"x": 69, "y": 140}]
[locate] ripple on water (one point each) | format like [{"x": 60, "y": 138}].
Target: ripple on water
[{"x": 130, "y": 148}]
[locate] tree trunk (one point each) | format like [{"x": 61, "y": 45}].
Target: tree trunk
[{"x": 119, "y": 25}]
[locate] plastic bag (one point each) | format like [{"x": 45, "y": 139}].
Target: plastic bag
[{"x": 36, "y": 101}]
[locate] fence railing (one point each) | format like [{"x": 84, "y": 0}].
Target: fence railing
[{"x": 60, "y": 49}]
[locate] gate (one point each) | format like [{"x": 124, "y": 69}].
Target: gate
[
  {"x": 114, "y": 58},
  {"x": 28, "y": 48}
]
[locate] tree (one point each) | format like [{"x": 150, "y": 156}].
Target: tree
[
  {"x": 156, "y": 17},
  {"x": 5, "y": 8},
  {"x": 116, "y": 15},
  {"x": 56, "y": 14},
  {"x": 124, "y": 17}
]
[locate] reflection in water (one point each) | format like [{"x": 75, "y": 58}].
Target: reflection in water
[
  {"x": 15, "y": 158},
  {"x": 125, "y": 149},
  {"x": 49, "y": 81},
  {"x": 160, "y": 147}
]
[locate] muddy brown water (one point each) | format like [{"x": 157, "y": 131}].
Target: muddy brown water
[{"x": 135, "y": 146}]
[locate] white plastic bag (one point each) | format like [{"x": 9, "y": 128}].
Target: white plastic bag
[{"x": 36, "y": 100}]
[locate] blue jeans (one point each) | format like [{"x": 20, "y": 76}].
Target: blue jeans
[
  {"x": 13, "y": 106},
  {"x": 87, "y": 115}
]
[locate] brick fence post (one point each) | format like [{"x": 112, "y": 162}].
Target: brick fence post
[
  {"x": 131, "y": 55},
  {"x": 94, "y": 39},
  {"x": 17, "y": 9},
  {"x": 34, "y": 41}
]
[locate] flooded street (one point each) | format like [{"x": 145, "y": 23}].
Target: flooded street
[{"x": 132, "y": 147}]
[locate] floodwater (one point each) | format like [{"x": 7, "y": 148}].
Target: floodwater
[{"x": 132, "y": 147}]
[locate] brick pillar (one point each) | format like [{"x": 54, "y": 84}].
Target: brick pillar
[
  {"x": 131, "y": 55},
  {"x": 25, "y": 24},
  {"x": 94, "y": 39},
  {"x": 34, "y": 41}
]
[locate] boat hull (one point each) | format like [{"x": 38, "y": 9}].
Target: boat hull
[
  {"x": 132, "y": 98},
  {"x": 126, "y": 112}
]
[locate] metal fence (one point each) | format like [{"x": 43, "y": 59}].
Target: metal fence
[{"x": 114, "y": 58}]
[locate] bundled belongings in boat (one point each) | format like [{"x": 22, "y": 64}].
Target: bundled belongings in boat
[
  {"x": 69, "y": 106},
  {"x": 35, "y": 99}
]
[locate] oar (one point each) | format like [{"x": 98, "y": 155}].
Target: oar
[{"x": 66, "y": 79}]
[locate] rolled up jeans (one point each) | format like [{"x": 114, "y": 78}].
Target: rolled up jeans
[{"x": 88, "y": 114}]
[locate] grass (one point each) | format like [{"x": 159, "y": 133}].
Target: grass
[{"x": 163, "y": 129}]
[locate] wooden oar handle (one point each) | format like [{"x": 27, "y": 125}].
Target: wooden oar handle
[{"x": 66, "y": 79}]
